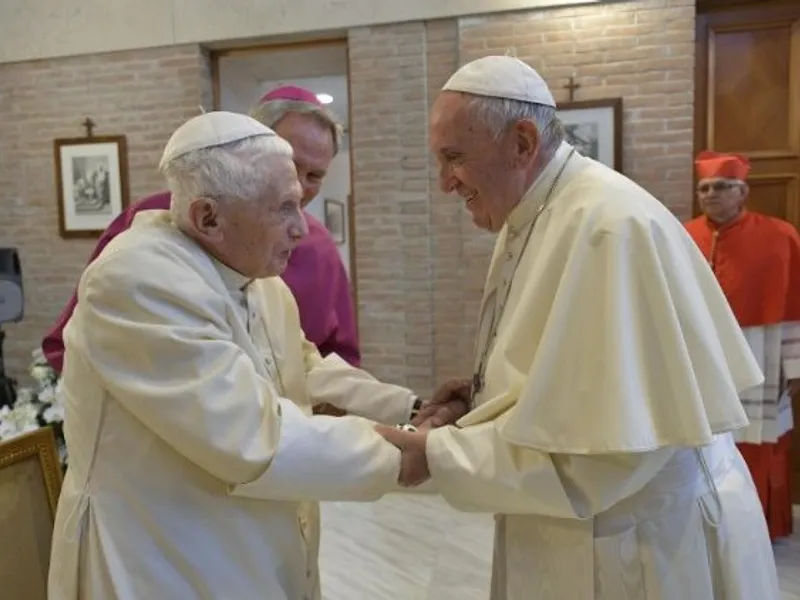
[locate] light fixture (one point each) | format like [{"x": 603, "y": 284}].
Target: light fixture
[{"x": 325, "y": 98}]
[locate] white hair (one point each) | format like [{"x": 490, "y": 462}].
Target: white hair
[
  {"x": 500, "y": 113},
  {"x": 237, "y": 171},
  {"x": 271, "y": 112}
]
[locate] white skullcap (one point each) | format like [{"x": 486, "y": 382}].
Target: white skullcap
[
  {"x": 501, "y": 77},
  {"x": 209, "y": 130}
]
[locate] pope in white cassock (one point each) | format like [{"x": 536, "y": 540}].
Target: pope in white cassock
[
  {"x": 607, "y": 375},
  {"x": 188, "y": 461}
]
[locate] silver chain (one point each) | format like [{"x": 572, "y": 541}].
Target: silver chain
[{"x": 497, "y": 315}]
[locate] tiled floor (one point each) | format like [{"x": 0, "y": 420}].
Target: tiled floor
[{"x": 417, "y": 548}]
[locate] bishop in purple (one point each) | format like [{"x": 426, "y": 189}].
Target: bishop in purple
[{"x": 315, "y": 273}]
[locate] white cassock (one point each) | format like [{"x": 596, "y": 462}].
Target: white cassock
[
  {"x": 601, "y": 435},
  {"x": 188, "y": 463}
]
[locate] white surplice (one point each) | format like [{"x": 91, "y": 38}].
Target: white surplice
[
  {"x": 601, "y": 435},
  {"x": 768, "y": 406},
  {"x": 188, "y": 465}
]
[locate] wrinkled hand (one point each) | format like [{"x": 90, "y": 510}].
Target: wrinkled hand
[
  {"x": 449, "y": 403},
  {"x": 413, "y": 462},
  {"x": 328, "y": 409}
]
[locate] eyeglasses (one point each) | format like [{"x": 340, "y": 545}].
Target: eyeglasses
[{"x": 717, "y": 186}]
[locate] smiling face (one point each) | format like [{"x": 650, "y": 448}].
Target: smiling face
[
  {"x": 490, "y": 173},
  {"x": 721, "y": 199},
  {"x": 314, "y": 149}
]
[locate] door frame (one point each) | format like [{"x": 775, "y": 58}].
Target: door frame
[
  {"x": 706, "y": 11},
  {"x": 216, "y": 54}
]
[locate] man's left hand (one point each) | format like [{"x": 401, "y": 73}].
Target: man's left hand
[
  {"x": 450, "y": 402},
  {"x": 414, "y": 462}
]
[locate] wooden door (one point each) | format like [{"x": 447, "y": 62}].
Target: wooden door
[{"x": 747, "y": 100}]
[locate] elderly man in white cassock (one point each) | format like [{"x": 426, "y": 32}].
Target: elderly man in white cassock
[
  {"x": 607, "y": 374},
  {"x": 189, "y": 384}
]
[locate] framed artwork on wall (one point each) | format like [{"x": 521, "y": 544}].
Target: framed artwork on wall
[
  {"x": 91, "y": 183},
  {"x": 594, "y": 127},
  {"x": 335, "y": 220}
]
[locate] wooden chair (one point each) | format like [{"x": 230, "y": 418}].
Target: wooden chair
[{"x": 30, "y": 483}]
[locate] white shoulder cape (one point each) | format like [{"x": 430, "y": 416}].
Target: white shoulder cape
[{"x": 617, "y": 337}]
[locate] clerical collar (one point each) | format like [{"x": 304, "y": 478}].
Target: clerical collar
[
  {"x": 233, "y": 280},
  {"x": 527, "y": 208}
]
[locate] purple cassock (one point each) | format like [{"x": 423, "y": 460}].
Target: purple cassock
[{"x": 315, "y": 275}]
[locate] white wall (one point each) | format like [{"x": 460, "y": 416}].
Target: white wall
[
  {"x": 337, "y": 185},
  {"x": 34, "y": 29}
]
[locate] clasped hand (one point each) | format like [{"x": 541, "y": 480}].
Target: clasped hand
[{"x": 449, "y": 403}]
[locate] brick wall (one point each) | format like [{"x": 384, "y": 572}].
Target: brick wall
[
  {"x": 143, "y": 94},
  {"x": 642, "y": 51},
  {"x": 388, "y": 128},
  {"x": 420, "y": 261}
]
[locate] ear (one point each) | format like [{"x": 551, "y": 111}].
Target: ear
[
  {"x": 206, "y": 219},
  {"x": 745, "y": 191},
  {"x": 527, "y": 141}
]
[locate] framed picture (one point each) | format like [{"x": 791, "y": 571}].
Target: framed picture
[
  {"x": 30, "y": 482},
  {"x": 91, "y": 183},
  {"x": 594, "y": 127},
  {"x": 335, "y": 220}
]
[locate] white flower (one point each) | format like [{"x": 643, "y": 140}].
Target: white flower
[
  {"x": 62, "y": 453},
  {"x": 7, "y": 430},
  {"x": 25, "y": 396},
  {"x": 40, "y": 373},
  {"x": 24, "y": 415},
  {"x": 47, "y": 395},
  {"x": 19, "y": 420},
  {"x": 54, "y": 413}
]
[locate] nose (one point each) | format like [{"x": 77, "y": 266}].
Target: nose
[
  {"x": 310, "y": 188},
  {"x": 447, "y": 183},
  {"x": 298, "y": 229}
]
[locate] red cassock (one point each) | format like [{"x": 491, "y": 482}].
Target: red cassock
[{"x": 756, "y": 259}]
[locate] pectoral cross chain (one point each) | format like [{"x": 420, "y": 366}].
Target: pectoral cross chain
[{"x": 477, "y": 384}]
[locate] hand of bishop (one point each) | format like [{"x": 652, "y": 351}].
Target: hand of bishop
[{"x": 449, "y": 403}]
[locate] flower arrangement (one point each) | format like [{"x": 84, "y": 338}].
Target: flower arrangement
[{"x": 38, "y": 405}]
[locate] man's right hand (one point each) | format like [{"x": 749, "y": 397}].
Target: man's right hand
[
  {"x": 328, "y": 409},
  {"x": 449, "y": 403}
]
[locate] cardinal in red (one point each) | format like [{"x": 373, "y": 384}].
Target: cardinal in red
[{"x": 756, "y": 259}]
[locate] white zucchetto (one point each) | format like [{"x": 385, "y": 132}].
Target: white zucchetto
[
  {"x": 501, "y": 77},
  {"x": 211, "y": 129}
]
